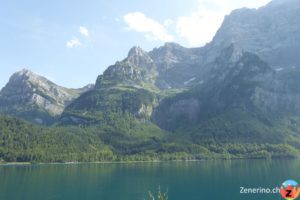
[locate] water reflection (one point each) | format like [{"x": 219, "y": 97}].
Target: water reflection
[{"x": 132, "y": 181}]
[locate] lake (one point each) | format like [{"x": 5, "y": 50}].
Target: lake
[{"x": 132, "y": 181}]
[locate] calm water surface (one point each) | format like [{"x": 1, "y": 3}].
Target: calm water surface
[{"x": 132, "y": 181}]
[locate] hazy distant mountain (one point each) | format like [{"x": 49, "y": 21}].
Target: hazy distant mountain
[
  {"x": 178, "y": 67},
  {"x": 242, "y": 86},
  {"x": 272, "y": 32},
  {"x": 35, "y": 98}
]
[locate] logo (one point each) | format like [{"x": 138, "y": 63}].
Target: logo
[{"x": 290, "y": 190}]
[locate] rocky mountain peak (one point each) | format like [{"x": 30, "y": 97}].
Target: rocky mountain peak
[
  {"x": 23, "y": 72},
  {"x": 139, "y": 58},
  {"x": 281, "y": 2},
  {"x": 136, "y": 51},
  {"x": 168, "y": 48},
  {"x": 167, "y": 55},
  {"x": 137, "y": 68},
  {"x": 23, "y": 75},
  {"x": 23, "y": 80},
  {"x": 34, "y": 97},
  {"x": 172, "y": 45},
  {"x": 254, "y": 30}
]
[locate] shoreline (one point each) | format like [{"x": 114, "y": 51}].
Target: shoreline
[
  {"x": 98, "y": 162},
  {"x": 15, "y": 163},
  {"x": 118, "y": 162}
]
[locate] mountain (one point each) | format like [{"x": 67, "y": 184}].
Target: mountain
[
  {"x": 240, "y": 85},
  {"x": 168, "y": 67},
  {"x": 272, "y": 32},
  {"x": 125, "y": 90},
  {"x": 245, "y": 101},
  {"x": 137, "y": 69},
  {"x": 236, "y": 97},
  {"x": 177, "y": 66},
  {"x": 174, "y": 87},
  {"x": 35, "y": 98}
]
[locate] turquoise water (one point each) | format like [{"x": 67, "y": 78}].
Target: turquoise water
[{"x": 132, "y": 181}]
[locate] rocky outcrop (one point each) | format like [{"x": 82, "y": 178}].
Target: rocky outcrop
[
  {"x": 272, "y": 32},
  {"x": 137, "y": 69},
  {"x": 240, "y": 81},
  {"x": 178, "y": 67},
  {"x": 35, "y": 98}
]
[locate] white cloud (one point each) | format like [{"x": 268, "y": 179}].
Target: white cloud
[
  {"x": 152, "y": 29},
  {"x": 168, "y": 22},
  {"x": 199, "y": 28},
  {"x": 201, "y": 25},
  {"x": 84, "y": 31},
  {"x": 73, "y": 43}
]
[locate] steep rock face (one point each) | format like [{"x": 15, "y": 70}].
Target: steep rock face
[
  {"x": 178, "y": 67},
  {"x": 137, "y": 69},
  {"x": 240, "y": 82},
  {"x": 166, "y": 67},
  {"x": 35, "y": 98},
  {"x": 272, "y": 32},
  {"x": 170, "y": 54},
  {"x": 283, "y": 94},
  {"x": 128, "y": 87}
]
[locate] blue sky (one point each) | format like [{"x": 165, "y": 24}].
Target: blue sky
[{"x": 71, "y": 42}]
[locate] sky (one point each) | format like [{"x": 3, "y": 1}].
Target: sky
[{"x": 71, "y": 42}]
